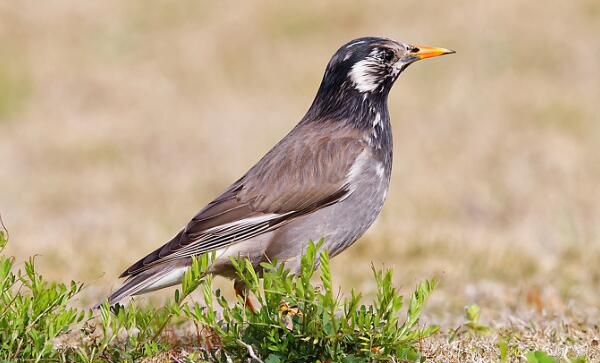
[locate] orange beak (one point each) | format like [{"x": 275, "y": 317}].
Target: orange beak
[{"x": 428, "y": 52}]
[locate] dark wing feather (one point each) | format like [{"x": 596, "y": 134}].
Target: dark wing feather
[{"x": 306, "y": 171}]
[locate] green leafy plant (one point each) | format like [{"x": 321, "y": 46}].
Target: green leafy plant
[
  {"x": 300, "y": 321},
  {"x": 33, "y": 312},
  {"x": 473, "y": 326},
  {"x": 539, "y": 357},
  {"x": 120, "y": 334},
  {"x": 472, "y": 317},
  {"x": 543, "y": 357}
]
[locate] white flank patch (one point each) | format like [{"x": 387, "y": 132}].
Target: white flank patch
[
  {"x": 362, "y": 76},
  {"x": 171, "y": 278},
  {"x": 235, "y": 250}
]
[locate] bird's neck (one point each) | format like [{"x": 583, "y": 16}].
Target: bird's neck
[
  {"x": 345, "y": 104},
  {"x": 367, "y": 112}
]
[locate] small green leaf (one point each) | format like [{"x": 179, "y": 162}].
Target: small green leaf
[
  {"x": 273, "y": 358},
  {"x": 539, "y": 357},
  {"x": 472, "y": 313}
]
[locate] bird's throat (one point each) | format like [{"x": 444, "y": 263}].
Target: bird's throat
[{"x": 346, "y": 104}]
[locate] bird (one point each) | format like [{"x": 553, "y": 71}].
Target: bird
[{"x": 327, "y": 179}]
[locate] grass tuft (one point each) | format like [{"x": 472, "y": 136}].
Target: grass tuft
[
  {"x": 298, "y": 320},
  {"x": 33, "y": 312}
]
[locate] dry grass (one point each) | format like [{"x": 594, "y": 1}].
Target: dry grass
[{"x": 120, "y": 120}]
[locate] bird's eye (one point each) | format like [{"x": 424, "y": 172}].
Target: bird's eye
[{"x": 388, "y": 55}]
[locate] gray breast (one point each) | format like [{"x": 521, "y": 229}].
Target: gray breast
[{"x": 340, "y": 224}]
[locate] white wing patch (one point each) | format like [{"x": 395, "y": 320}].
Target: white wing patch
[
  {"x": 226, "y": 234},
  {"x": 243, "y": 223}
]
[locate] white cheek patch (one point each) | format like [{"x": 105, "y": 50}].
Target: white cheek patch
[{"x": 364, "y": 75}]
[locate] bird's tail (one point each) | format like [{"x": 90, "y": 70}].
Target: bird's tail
[{"x": 155, "y": 278}]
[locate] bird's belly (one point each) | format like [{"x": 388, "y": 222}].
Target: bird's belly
[
  {"x": 350, "y": 219},
  {"x": 339, "y": 225},
  {"x": 252, "y": 249}
]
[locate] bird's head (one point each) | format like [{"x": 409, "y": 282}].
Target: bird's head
[
  {"x": 371, "y": 65},
  {"x": 360, "y": 74}
]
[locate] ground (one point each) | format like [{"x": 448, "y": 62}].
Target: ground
[{"x": 120, "y": 120}]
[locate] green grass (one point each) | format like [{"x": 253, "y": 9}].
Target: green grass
[{"x": 298, "y": 320}]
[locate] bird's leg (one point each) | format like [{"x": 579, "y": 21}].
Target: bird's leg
[{"x": 242, "y": 290}]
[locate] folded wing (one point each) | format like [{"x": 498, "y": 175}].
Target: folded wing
[{"x": 299, "y": 175}]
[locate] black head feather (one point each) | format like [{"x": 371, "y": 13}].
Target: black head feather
[{"x": 358, "y": 79}]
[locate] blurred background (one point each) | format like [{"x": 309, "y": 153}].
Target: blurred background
[{"x": 120, "y": 120}]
